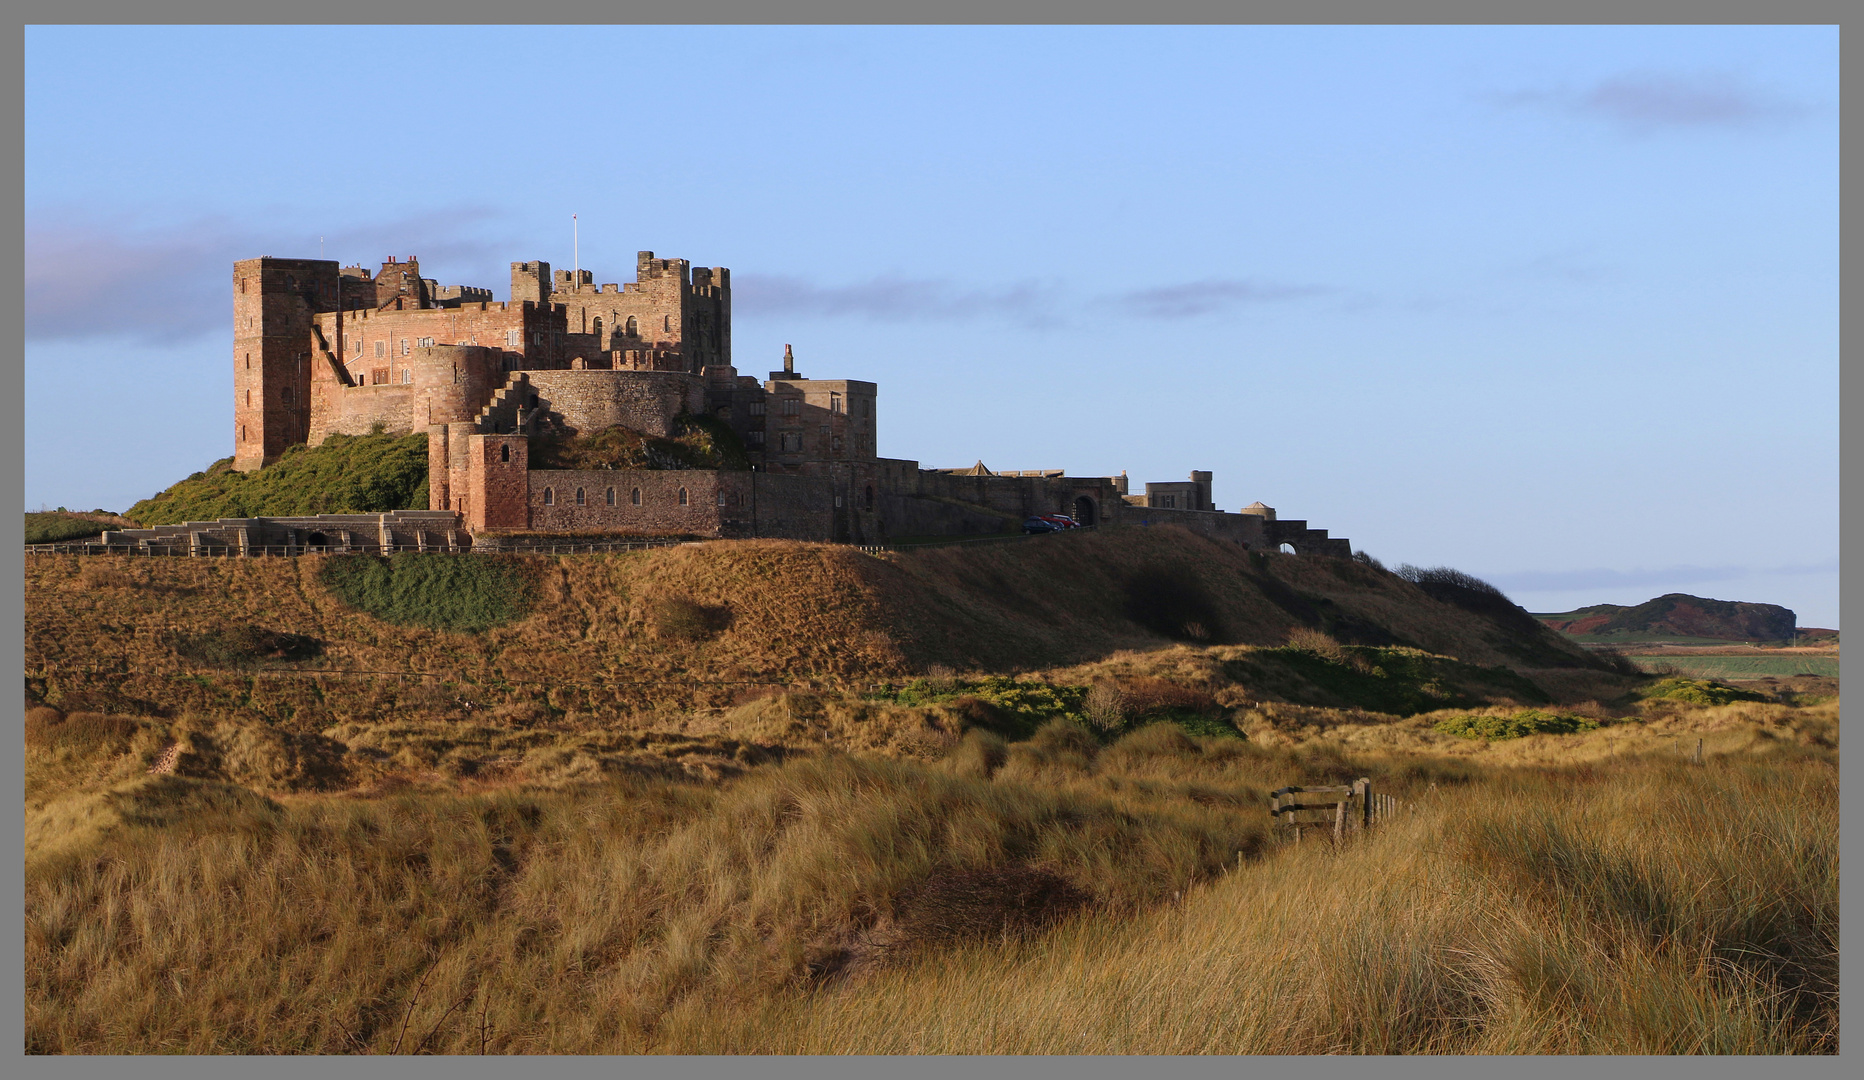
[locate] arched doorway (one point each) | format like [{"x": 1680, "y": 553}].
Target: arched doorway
[
  {"x": 1288, "y": 549},
  {"x": 1084, "y": 511}
]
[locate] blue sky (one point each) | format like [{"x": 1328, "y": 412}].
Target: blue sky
[{"x": 1554, "y": 306}]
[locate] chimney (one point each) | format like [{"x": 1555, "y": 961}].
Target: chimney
[{"x": 789, "y": 361}]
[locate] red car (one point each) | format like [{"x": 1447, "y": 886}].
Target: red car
[{"x": 1060, "y": 521}]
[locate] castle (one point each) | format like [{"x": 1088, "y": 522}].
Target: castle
[{"x": 320, "y": 349}]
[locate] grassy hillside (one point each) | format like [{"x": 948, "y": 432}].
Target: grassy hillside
[
  {"x": 60, "y": 526},
  {"x": 707, "y": 625},
  {"x": 363, "y": 474},
  {"x": 776, "y": 797},
  {"x": 1677, "y": 617}
]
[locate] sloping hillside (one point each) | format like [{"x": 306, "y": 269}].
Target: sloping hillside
[
  {"x": 1678, "y": 615},
  {"x": 701, "y": 625}
]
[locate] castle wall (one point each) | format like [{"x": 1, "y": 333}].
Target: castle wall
[
  {"x": 274, "y": 301},
  {"x": 496, "y": 493},
  {"x": 525, "y": 335},
  {"x": 436, "y": 384},
  {"x": 553, "y": 504},
  {"x": 590, "y": 401}
]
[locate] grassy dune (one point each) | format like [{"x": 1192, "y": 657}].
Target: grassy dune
[
  {"x": 779, "y": 798},
  {"x": 1050, "y": 896}
]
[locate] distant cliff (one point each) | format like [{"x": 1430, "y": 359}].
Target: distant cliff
[{"x": 1680, "y": 615}]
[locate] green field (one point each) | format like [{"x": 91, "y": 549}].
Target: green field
[{"x": 1742, "y": 667}]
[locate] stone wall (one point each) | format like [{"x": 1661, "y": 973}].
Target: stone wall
[
  {"x": 670, "y": 502},
  {"x": 590, "y": 401},
  {"x": 526, "y": 335},
  {"x": 440, "y": 384}
]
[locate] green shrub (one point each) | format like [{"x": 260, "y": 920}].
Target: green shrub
[
  {"x": 1526, "y": 722},
  {"x": 1701, "y": 692},
  {"x": 244, "y": 646},
  {"x": 444, "y": 592},
  {"x": 1014, "y": 709},
  {"x": 345, "y": 474}
]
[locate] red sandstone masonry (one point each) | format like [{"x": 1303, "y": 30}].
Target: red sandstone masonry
[{"x": 496, "y": 493}]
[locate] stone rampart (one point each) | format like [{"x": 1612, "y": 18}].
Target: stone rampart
[{"x": 590, "y": 401}]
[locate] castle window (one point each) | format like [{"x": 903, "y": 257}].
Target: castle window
[
  {"x": 870, "y": 496},
  {"x": 635, "y": 496},
  {"x": 550, "y": 497},
  {"x": 634, "y": 328},
  {"x": 378, "y": 376},
  {"x": 404, "y": 346},
  {"x": 666, "y": 322},
  {"x": 792, "y": 406},
  {"x": 835, "y": 444},
  {"x": 598, "y": 326},
  {"x": 407, "y": 375},
  {"x": 757, "y": 408},
  {"x": 682, "y": 496},
  {"x": 757, "y": 438},
  {"x": 834, "y": 403},
  {"x": 504, "y": 452},
  {"x": 610, "y": 497},
  {"x": 249, "y": 399},
  {"x": 242, "y": 433},
  {"x": 381, "y": 349},
  {"x": 721, "y": 498},
  {"x": 579, "y": 497},
  {"x": 511, "y": 339},
  {"x": 425, "y": 343}
]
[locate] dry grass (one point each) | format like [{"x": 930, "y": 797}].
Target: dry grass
[
  {"x": 1054, "y": 895},
  {"x": 696, "y": 626}
]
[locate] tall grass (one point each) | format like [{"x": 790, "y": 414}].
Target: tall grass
[
  {"x": 443, "y": 592},
  {"x": 1052, "y": 896}
]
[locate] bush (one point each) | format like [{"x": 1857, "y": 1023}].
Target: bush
[
  {"x": 1526, "y": 722},
  {"x": 443, "y": 592},
  {"x": 1701, "y": 692},
  {"x": 1011, "y": 708},
  {"x": 244, "y": 646}
]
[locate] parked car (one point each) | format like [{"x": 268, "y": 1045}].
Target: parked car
[
  {"x": 1060, "y": 521},
  {"x": 1040, "y": 525}
]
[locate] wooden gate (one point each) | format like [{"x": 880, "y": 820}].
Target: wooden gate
[{"x": 1346, "y": 808}]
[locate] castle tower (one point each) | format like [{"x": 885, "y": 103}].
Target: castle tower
[
  {"x": 530, "y": 281},
  {"x": 273, "y": 302}
]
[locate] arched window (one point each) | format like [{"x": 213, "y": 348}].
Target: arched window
[
  {"x": 682, "y": 496},
  {"x": 550, "y": 497},
  {"x": 634, "y": 328},
  {"x": 635, "y": 496},
  {"x": 611, "y": 496},
  {"x": 504, "y": 454},
  {"x": 579, "y": 497},
  {"x": 598, "y": 326}
]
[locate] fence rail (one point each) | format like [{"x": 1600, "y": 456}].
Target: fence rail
[
  {"x": 184, "y": 550},
  {"x": 1346, "y": 808}
]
